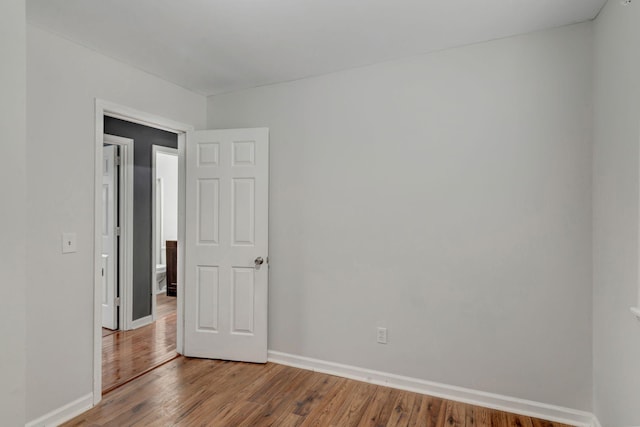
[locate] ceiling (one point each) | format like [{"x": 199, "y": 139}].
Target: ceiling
[{"x": 217, "y": 46}]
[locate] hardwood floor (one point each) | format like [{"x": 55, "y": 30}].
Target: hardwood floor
[
  {"x": 190, "y": 392},
  {"x": 106, "y": 332},
  {"x": 128, "y": 354},
  {"x": 165, "y": 305}
]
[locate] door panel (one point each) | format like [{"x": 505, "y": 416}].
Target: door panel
[
  {"x": 243, "y": 300},
  {"x": 109, "y": 243},
  {"x": 207, "y": 297},
  {"x": 243, "y": 211},
  {"x": 208, "y": 211},
  {"x": 226, "y": 231}
]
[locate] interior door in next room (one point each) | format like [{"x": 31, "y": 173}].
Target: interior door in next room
[
  {"x": 109, "y": 239},
  {"x": 226, "y": 272}
]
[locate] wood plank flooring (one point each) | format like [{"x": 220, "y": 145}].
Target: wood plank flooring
[
  {"x": 165, "y": 305},
  {"x": 199, "y": 392},
  {"x": 106, "y": 332},
  {"x": 128, "y": 354}
]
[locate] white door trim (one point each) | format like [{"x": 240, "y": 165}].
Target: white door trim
[
  {"x": 105, "y": 108},
  {"x": 125, "y": 252}
]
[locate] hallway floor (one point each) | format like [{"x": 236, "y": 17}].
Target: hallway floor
[{"x": 129, "y": 354}]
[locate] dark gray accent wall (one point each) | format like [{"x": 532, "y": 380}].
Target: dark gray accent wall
[{"x": 144, "y": 138}]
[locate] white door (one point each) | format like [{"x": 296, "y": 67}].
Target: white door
[
  {"x": 109, "y": 243},
  {"x": 226, "y": 272}
]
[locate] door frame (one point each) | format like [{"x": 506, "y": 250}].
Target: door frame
[
  {"x": 110, "y": 109},
  {"x": 125, "y": 212}
]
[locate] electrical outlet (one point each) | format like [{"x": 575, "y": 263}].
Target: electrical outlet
[{"x": 382, "y": 336}]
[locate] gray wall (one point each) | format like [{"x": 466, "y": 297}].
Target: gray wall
[
  {"x": 13, "y": 209},
  {"x": 616, "y": 345},
  {"x": 144, "y": 138},
  {"x": 445, "y": 196}
]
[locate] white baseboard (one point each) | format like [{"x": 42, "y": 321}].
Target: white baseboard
[
  {"x": 449, "y": 392},
  {"x": 64, "y": 413},
  {"x": 143, "y": 321}
]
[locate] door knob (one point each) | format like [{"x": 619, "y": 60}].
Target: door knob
[{"x": 259, "y": 261}]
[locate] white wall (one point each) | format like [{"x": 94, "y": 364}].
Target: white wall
[
  {"x": 62, "y": 81},
  {"x": 615, "y": 209},
  {"x": 12, "y": 212},
  {"x": 445, "y": 196}
]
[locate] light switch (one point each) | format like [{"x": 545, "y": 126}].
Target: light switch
[{"x": 69, "y": 243}]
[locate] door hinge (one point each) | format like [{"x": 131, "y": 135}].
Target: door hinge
[
  {"x": 118, "y": 160},
  {"x": 117, "y": 301},
  {"x": 103, "y": 272},
  {"x": 118, "y": 231}
]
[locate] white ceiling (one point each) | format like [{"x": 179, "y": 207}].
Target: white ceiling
[{"x": 216, "y": 46}]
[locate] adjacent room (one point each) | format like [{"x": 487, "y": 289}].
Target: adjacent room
[
  {"x": 139, "y": 235},
  {"x": 320, "y": 212}
]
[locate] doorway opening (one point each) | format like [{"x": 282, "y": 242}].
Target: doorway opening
[
  {"x": 164, "y": 196},
  {"x": 147, "y": 337},
  {"x": 143, "y": 324}
]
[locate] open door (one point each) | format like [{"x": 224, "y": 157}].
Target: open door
[
  {"x": 109, "y": 241},
  {"x": 226, "y": 243}
]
